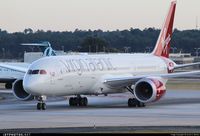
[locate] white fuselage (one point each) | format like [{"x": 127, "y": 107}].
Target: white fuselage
[{"x": 84, "y": 74}]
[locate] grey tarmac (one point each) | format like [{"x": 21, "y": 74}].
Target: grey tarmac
[{"x": 179, "y": 110}]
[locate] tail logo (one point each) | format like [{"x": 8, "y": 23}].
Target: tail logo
[
  {"x": 165, "y": 42},
  {"x": 162, "y": 47},
  {"x": 169, "y": 65}
]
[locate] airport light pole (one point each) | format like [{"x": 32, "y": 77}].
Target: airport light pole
[
  {"x": 89, "y": 48},
  {"x": 96, "y": 48},
  {"x": 126, "y": 49},
  {"x": 104, "y": 49},
  {"x": 63, "y": 48},
  {"x": 3, "y": 51},
  {"x": 197, "y": 52},
  {"x": 173, "y": 49},
  {"x": 79, "y": 48},
  {"x": 148, "y": 49}
]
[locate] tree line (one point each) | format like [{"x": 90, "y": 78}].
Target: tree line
[{"x": 132, "y": 40}]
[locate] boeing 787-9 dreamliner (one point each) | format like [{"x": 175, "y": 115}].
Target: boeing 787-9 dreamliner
[{"x": 144, "y": 75}]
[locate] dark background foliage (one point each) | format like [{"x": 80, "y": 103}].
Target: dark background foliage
[{"x": 133, "y": 40}]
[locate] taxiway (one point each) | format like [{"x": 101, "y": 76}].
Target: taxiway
[{"x": 177, "y": 108}]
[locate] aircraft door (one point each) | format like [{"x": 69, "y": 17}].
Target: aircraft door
[{"x": 52, "y": 78}]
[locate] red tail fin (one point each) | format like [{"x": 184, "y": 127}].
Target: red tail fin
[{"x": 162, "y": 47}]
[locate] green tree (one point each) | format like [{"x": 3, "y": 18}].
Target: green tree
[{"x": 94, "y": 44}]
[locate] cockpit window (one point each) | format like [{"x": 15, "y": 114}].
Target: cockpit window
[
  {"x": 43, "y": 72},
  {"x": 34, "y": 72},
  {"x": 29, "y": 72}
]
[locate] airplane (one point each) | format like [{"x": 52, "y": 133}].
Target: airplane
[
  {"x": 8, "y": 76},
  {"x": 144, "y": 75}
]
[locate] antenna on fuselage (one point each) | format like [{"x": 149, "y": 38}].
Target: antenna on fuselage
[{"x": 48, "y": 49}]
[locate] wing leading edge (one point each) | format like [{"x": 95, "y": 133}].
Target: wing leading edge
[
  {"x": 15, "y": 68},
  {"x": 119, "y": 82}
]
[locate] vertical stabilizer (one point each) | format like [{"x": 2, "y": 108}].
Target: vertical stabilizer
[
  {"x": 162, "y": 47},
  {"x": 48, "y": 51}
]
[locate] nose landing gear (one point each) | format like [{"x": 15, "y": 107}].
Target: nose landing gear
[{"x": 41, "y": 105}]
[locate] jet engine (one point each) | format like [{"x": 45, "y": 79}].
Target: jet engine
[
  {"x": 19, "y": 91},
  {"x": 149, "y": 90}
]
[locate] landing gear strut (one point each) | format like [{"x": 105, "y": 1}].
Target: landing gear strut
[
  {"x": 132, "y": 102},
  {"x": 78, "y": 101},
  {"x": 41, "y": 105}
]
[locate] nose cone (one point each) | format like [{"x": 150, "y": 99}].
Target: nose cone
[{"x": 32, "y": 86}]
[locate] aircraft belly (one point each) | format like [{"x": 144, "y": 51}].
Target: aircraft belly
[{"x": 84, "y": 84}]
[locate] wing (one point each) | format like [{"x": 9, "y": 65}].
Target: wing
[
  {"x": 123, "y": 81},
  {"x": 186, "y": 65},
  {"x": 15, "y": 68}
]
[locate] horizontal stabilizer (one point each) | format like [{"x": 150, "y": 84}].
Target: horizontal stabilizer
[{"x": 42, "y": 44}]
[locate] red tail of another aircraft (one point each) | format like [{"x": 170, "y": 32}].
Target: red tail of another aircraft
[{"x": 162, "y": 47}]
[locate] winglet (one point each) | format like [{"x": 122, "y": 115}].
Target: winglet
[{"x": 162, "y": 47}]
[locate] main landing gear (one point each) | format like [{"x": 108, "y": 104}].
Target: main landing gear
[
  {"x": 78, "y": 101},
  {"x": 8, "y": 85},
  {"x": 132, "y": 102},
  {"x": 41, "y": 105}
]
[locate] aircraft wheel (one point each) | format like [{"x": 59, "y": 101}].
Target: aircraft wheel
[
  {"x": 140, "y": 104},
  {"x": 83, "y": 101},
  {"x": 39, "y": 106},
  {"x": 73, "y": 101},
  {"x": 132, "y": 102},
  {"x": 76, "y": 101},
  {"x": 44, "y": 106},
  {"x": 135, "y": 103},
  {"x": 8, "y": 85}
]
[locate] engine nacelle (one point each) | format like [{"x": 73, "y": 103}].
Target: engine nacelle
[
  {"x": 149, "y": 90},
  {"x": 19, "y": 91}
]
